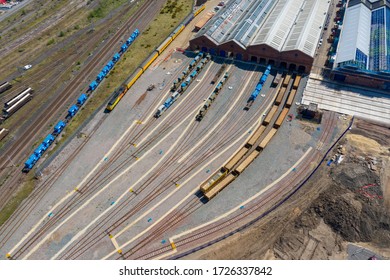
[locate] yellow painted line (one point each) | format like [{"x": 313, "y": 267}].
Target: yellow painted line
[
  {"x": 216, "y": 125},
  {"x": 34, "y": 228},
  {"x": 237, "y": 207},
  {"x": 112, "y": 181},
  {"x": 172, "y": 193},
  {"x": 181, "y": 100},
  {"x": 116, "y": 245}
]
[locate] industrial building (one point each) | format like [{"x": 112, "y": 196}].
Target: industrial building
[
  {"x": 284, "y": 33},
  {"x": 363, "y": 52}
]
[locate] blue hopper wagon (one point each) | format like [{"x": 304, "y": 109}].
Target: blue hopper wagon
[
  {"x": 110, "y": 64},
  {"x": 124, "y": 47},
  {"x": 129, "y": 41},
  {"x": 72, "y": 111},
  {"x": 48, "y": 140},
  {"x": 59, "y": 127},
  {"x": 83, "y": 97},
  {"x": 100, "y": 77},
  {"x": 93, "y": 86},
  {"x": 31, "y": 162},
  {"x": 116, "y": 57},
  {"x": 40, "y": 150}
]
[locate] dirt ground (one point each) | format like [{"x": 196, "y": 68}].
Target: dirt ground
[{"x": 343, "y": 204}]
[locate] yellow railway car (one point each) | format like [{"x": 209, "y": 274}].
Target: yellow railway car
[
  {"x": 164, "y": 45},
  {"x": 198, "y": 11},
  {"x": 177, "y": 31},
  {"x": 248, "y": 160},
  {"x": 286, "y": 80},
  {"x": 220, "y": 186},
  {"x": 213, "y": 179},
  {"x": 147, "y": 63},
  {"x": 280, "y": 95},
  {"x": 281, "y": 118},
  {"x": 291, "y": 97},
  {"x": 297, "y": 81},
  {"x": 268, "y": 138},
  {"x": 236, "y": 158},
  {"x": 256, "y": 135},
  {"x": 270, "y": 115},
  {"x": 134, "y": 78}
]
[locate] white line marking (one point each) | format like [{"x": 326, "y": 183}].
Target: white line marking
[{"x": 237, "y": 207}]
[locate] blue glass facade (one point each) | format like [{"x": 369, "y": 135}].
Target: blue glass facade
[
  {"x": 387, "y": 39},
  {"x": 378, "y": 58},
  {"x": 361, "y": 59}
]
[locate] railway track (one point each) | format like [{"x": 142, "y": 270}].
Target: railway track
[
  {"x": 88, "y": 190},
  {"x": 144, "y": 15},
  {"x": 45, "y": 229},
  {"x": 265, "y": 201},
  {"x": 166, "y": 184}
]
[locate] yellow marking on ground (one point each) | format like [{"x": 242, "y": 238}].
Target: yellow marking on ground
[
  {"x": 172, "y": 193},
  {"x": 173, "y": 245},
  {"x": 72, "y": 193},
  {"x": 112, "y": 181},
  {"x": 181, "y": 100},
  {"x": 116, "y": 245},
  {"x": 85, "y": 178},
  {"x": 237, "y": 207}
]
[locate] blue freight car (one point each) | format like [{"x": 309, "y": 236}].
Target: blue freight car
[
  {"x": 116, "y": 57},
  {"x": 124, "y": 47},
  {"x": 105, "y": 70},
  {"x": 30, "y": 162},
  {"x": 110, "y": 64},
  {"x": 48, "y": 140},
  {"x": 72, "y": 111},
  {"x": 129, "y": 41},
  {"x": 59, "y": 127},
  {"x": 83, "y": 97},
  {"x": 100, "y": 77},
  {"x": 40, "y": 150},
  {"x": 93, "y": 86}
]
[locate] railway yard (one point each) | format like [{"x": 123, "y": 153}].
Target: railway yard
[{"x": 204, "y": 157}]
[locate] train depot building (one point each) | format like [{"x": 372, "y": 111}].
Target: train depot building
[
  {"x": 282, "y": 33},
  {"x": 363, "y": 51}
]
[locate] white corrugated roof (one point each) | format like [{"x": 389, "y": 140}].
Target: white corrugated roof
[
  {"x": 308, "y": 26},
  {"x": 282, "y": 24},
  {"x": 355, "y": 33}
]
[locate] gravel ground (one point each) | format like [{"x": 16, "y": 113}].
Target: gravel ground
[{"x": 288, "y": 146}]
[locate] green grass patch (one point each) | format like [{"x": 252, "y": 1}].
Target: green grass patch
[
  {"x": 142, "y": 47},
  {"x": 104, "y": 8},
  {"x": 24, "y": 191}
]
